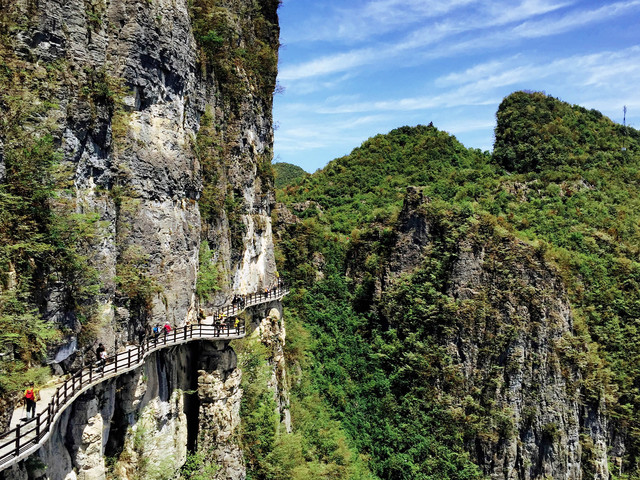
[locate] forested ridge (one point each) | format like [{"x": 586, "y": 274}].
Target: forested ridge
[
  {"x": 287, "y": 174},
  {"x": 369, "y": 340}
]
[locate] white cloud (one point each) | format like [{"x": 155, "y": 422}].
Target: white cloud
[
  {"x": 504, "y": 13},
  {"x": 484, "y": 83},
  {"x": 579, "y": 70},
  {"x": 363, "y": 21},
  {"x": 429, "y": 35},
  {"x": 574, "y": 19},
  {"x": 477, "y": 71},
  {"x": 328, "y": 64}
]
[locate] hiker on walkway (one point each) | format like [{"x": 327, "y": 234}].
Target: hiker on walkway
[
  {"x": 222, "y": 319},
  {"x": 156, "y": 329},
  {"x": 30, "y": 397},
  {"x": 167, "y": 327},
  {"x": 141, "y": 335},
  {"x": 101, "y": 355}
]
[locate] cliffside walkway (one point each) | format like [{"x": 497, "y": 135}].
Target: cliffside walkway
[{"x": 28, "y": 436}]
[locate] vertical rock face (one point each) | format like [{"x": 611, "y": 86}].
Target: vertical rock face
[
  {"x": 168, "y": 141},
  {"x": 135, "y": 87},
  {"x": 272, "y": 334},
  {"x": 126, "y": 128},
  {"x": 511, "y": 328},
  {"x": 220, "y": 395}
]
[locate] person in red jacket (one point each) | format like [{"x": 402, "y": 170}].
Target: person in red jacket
[
  {"x": 167, "y": 327},
  {"x": 30, "y": 398}
]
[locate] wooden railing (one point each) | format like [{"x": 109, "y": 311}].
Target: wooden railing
[
  {"x": 245, "y": 301},
  {"x": 23, "y": 440}
]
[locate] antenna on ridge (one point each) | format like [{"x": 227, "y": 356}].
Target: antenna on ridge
[{"x": 624, "y": 124}]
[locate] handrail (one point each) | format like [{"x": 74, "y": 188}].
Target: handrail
[
  {"x": 248, "y": 301},
  {"x": 26, "y": 438}
]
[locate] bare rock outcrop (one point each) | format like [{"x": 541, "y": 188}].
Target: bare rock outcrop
[{"x": 220, "y": 395}]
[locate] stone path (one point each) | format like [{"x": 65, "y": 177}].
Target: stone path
[{"x": 46, "y": 394}]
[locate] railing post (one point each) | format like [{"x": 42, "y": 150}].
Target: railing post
[
  {"x": 175, "y": 335},
  {"x": 38, "y": 427},
  {"x": 115, "y": 363},
  {"x": 17, "y": 440},
  {"x": 90, "y": 373},
  {"x": 66, "y": 384},
  {"x": 129, "y": 358}
]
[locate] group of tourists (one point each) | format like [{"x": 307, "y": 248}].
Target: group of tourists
[
  {"x": 32, "y": 395},
  {"x": 101, "y": 351},
  {"x": 239, "y": 300},
  {"x": 157, "y": 329},
  {"x": 273, "y": 288}
]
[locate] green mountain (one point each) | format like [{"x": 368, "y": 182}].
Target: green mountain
[
  {"x": 369, "y": 184},
  {"x": 484, "y": 320},
  {"x": 287, "y": 174}
]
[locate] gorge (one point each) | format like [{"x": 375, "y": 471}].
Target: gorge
[{"x": 452, "y": 313}]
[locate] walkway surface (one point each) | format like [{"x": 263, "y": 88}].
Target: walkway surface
[{"x": 25, "y": 437}]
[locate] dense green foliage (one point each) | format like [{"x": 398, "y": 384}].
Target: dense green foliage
[
  {"x": 378, "y": 383},
  {"x": 369, "y": 184},
  {"x": 208, "y": 280},
  {"x": 44, "y": 241},
  {"x": 287, "y": 174},
  {"x": 536, "y": 132},
  {"x": 558, "y": 180},
  {"x": 217, "y": 26},
  {"x": 318, "y": 446}
]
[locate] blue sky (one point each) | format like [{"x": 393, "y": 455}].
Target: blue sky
[{"x": 354, "y": 68}]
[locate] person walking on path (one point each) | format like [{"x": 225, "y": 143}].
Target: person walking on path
[
  {"x": 101, "y": 355},
  {"x": 30, "y": 398}
]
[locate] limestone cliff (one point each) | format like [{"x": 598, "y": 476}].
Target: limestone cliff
[
  {"x": 159, "y": 140},
  {"x": 160, "y": 116},
  {"x": 507, "y": 375}
]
